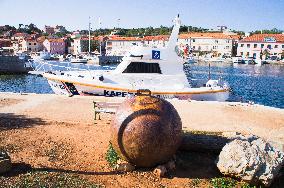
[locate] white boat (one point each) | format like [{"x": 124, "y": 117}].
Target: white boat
[
  {"x": 159, "y": 70},
  {"x": 241, "y": 60},
  {"x": 76, "y": 59},
  {"x": 43, "y": 55}
]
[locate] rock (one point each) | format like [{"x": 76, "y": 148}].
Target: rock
[
  {"x": 160, "y": 171},
  {"x": 250, "y": 159},
  {"x": 5, "y": 162},
  {"x": 125, "y": 167}
]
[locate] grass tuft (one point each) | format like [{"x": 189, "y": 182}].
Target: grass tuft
[
  {"x": 226, "y": 182},
  {"x": 111, "y": 156}
]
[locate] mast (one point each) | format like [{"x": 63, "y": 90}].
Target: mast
[
  {"x": 89, "y": 35},
  {"x": 100, "y": 26}
]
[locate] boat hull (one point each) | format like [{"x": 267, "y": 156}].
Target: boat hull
[
  {"x": 70, "y": 88},
  {"x": 106, "y": 92}
]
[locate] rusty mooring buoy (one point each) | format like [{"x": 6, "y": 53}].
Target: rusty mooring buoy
[{"x": 146, "y": 130}]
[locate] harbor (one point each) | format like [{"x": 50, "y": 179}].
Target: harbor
[
  {"x": 261, "y": 85},
  {"x": 152, "y": 96}
]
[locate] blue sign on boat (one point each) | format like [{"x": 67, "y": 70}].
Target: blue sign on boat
[{"x": 156, "y": 54}]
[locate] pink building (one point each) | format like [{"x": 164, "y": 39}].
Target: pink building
[{"x": 54, "y": 46}]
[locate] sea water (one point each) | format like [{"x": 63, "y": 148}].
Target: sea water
[{"x": 259, "y": 84}]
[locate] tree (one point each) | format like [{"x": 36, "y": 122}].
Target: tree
[
  {"x": 94, "y": 45},
  {"x": 267, "y": 31},
  {"x": 266, "y": 53}
]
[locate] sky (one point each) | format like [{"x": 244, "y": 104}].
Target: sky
[{"x": 245, "y": 15}]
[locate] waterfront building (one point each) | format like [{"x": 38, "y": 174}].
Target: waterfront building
[
  {"x": 54, "y": 46},
  {"x": 18, "y": 36},
  {"x": 262, "y": 46},
  {"x": 5, "y": 43},
  {"x": 159, "y": 40},
  {"x": 15, "y": 45},
  {"x": 81, "y": 45},
  {"x": 40, "y": 41},
  {"x": 49, "y": 30},
  {"x": 28, "y": 45},
  {"x": 215, "y": 44},
  {"x": 116, "y": 45}
]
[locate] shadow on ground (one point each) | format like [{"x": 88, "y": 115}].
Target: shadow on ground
[
  {"x": 10, "y": 121},
  {"x": 196, "y": 165},
  {"x": 23, "y": 168}
]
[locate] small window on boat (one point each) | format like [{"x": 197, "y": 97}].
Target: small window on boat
[{"x": 141, "y": 67}]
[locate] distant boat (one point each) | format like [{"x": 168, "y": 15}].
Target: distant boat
[
  {"x": 76, "y": 59},
  {"x": 247, "y": 61},
  {"x": 191, "y": 60},
  {"x": 43, "y": 55}
]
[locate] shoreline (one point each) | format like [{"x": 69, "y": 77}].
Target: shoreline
[
  {"x": 203, "y": 115},
  {"x": 121, "y": 98}
]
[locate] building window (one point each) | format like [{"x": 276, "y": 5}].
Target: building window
[
  {"x": 276, "y": 46},
  {"x": 227, "y": 47},
  {"x": 254, "y": 55},
  {"x": 248, "y": 45},
  {"x": 30, "y": 43},
  {"x": 282, "y": 46},
  {"x": 247, "y": 54},
  {"x": 255, "y": 45},
  {"x": 269, "y": 46},
  {"x": 242, "y": 45},
  {"x": 30, "y": 49},
  {"x": 262, "y": 45},
  {"x": 216, "y": 41},
  {"x": 193, "y": 40},
  {"x": 34, "y": 43}
]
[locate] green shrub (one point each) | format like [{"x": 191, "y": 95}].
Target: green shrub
[
  {"x": 223, "y": 182},
  {"x": 111, "y": 156},
  {"x": 226, "y": 182}
]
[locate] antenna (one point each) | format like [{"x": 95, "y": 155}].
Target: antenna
[{"x": 89, "y": 35}]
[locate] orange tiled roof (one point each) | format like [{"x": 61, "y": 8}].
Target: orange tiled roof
[
  {"x": 261, "y": 37},
  {"x": 55, "y": 40},
  {"x": 124, "y": 38},
  {"x": 41, "y": 39},
  {"x": 158, "y": 37},
  {"x": 30, "y": 40},
  {"x": 20, "y": 34},
  {"x": 208, "y": 35}
]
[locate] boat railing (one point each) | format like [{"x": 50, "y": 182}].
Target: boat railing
[{"x": 45, "y": 66}]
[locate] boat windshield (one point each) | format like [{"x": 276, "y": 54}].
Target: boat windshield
[{"x": 141, "y": 67}]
